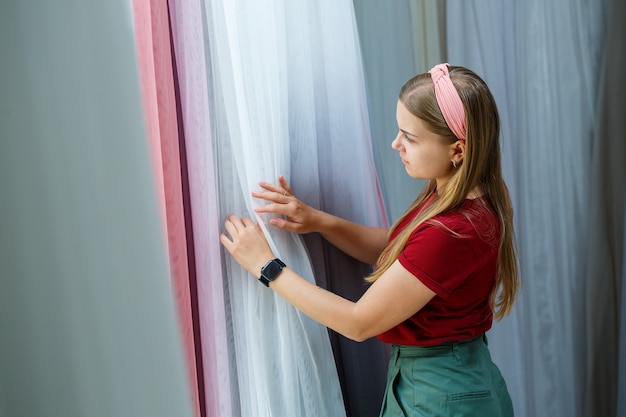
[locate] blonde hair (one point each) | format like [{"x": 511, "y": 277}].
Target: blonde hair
[{"x": 480, "y": 167}]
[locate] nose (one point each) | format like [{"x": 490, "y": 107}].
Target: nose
[{"x": 397, "y": 142}]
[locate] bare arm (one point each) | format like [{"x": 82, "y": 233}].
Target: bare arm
[
  {"x": 361, "y": 242},
  {"x": 393, "y": 298}
]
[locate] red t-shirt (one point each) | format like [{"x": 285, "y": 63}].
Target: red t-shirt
[{"x": 461, "y": 269}]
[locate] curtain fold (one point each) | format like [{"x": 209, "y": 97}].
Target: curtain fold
[
  {"x": 604, "y": 255},
  {"x": 152, "y": 37},
  {"x": 621, "y": 380},
  {"x": 283, "y": 77},
  {"x": 189, "y": 37},
  {"x": 274, "y": 345}
]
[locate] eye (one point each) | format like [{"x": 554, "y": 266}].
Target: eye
[{"x": 408, "y": 139}]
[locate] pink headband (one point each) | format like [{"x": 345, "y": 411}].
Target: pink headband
[{"x": 449, "y": 100}]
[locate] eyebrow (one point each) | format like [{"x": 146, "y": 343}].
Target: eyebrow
[{"x": 408, "y": 133}]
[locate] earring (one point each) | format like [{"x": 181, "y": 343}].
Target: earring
[{"x": 454, "y": 164}]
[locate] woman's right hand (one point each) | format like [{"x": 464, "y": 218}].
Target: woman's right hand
[{"x": 296, "y": 216}]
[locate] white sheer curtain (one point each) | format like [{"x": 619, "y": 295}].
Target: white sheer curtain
[
  {"x": 283, "y": 360},
  {"x": 282, "y": 75},
  {"x": 542, "y": 61}
]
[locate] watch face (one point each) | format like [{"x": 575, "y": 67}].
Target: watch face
[{"x": 271, "y": 270}]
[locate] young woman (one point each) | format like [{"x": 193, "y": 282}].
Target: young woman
[{"x": 443, "y": 271}]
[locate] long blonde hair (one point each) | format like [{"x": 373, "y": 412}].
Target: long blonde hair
[{"x": 480, "y": 167}]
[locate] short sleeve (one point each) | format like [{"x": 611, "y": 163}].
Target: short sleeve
[{"x": 440, "y": 259}]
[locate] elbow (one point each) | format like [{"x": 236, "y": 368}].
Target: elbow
[
  {"x": 359, "y": 332},
  {"x": 359, "y": 336}
]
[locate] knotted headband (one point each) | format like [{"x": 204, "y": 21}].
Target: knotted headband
[{"x": 449, "y": 100}]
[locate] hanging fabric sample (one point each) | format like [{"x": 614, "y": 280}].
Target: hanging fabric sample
[
  {"x": 541, "y": 62},
  {"x": 88, "y": 324},
  {"x": 332, "y": 168},
  {"x": 152, "y": 38},
  {"x": 261, "y": 106},
  {"x": 284, "y": 364},
  {"x": 190, "y": 72}
]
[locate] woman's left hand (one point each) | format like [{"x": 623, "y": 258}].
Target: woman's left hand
[{"x": 247, "y": 244}]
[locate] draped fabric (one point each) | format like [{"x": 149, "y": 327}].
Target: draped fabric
[
  {"x": 563, "y": 160},
  {"x": 621, "y": 385},
  {"x": 88, "y": 325},
  {"x": 399, "y": 39},
  {"x": 159, "y": 102},
  {"x": 283, "y": 77},
  {"x": 541, "y": 61},
  {"x": 241, "y": 123},
  {"x": 604, "y": 282},
  {"x": 189, "y": 37}
]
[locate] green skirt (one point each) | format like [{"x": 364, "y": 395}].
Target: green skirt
[{"x": 455, "y": 379}]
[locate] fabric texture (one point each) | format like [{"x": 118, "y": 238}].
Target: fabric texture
[
  {"x": 456, "y": 257},
  {"x": 453, "y": 379}
]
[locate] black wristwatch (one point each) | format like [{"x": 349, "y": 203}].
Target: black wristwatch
[{"x": 270, "y": 271}]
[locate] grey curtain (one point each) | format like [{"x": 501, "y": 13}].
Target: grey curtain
[
  {"x": 398, "y": 40},
  {"x": 87, "y": 321},
  {"x": 554, "y": 70},
  {"x": 604, "y": 282}
]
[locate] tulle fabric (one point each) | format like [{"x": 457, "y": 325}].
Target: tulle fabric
[{"x": 283, "y": 89}]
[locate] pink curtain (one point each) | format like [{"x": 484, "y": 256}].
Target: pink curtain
[
  {"x": 159, "y": 101},
  {"x": 191, "y": 73}
]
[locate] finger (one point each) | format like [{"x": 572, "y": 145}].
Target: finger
[
  {"x": 281, "y": 191},
  {"x": 284, "y": 224},
  {"x": 237, "y": 222},
  {"x": 271, "y": 187},
  {"x": 276, "y": 208},
  {"x": 285, "y": 184},
  {"x": 226, "y": 242},
  {"x": 231, "y": 228},
  {"x": 247, "y": 222}
]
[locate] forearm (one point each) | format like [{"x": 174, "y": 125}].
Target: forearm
[
  {"x": 325, "y": 307},
  {"x": 363, "y": 243}
]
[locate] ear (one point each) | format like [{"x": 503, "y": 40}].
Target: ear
[{"x": 458, "y": 152}]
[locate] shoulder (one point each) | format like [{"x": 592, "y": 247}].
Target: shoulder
[
  {"x": 474, "y": 218},
  {"x": 472, "y": 229}
]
